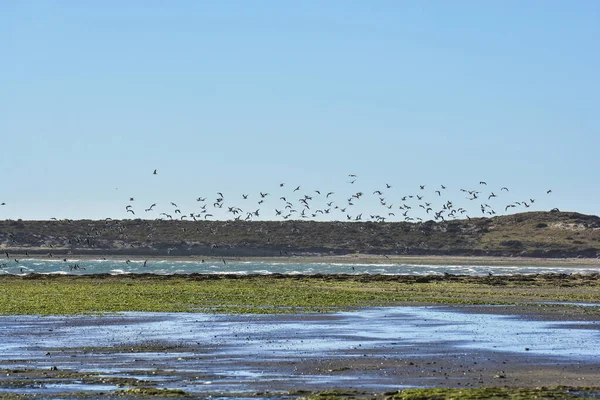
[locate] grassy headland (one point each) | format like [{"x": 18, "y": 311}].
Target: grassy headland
[{"x": 534, "y": 234}]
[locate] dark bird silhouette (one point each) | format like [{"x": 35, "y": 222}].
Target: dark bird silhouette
[
  {"x": 131, "y": 211},
  {"x": 504, "y": 188},
  {"x": 155, "y": 172},
  {"x": 329, "y": 194},
  {"x": 549, "y": 191},
  {"x": 298, "y": 188},
  {"x": 174, "y": 205},
  {"x": 482, "y": 183}
]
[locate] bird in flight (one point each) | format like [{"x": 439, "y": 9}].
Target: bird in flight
[
  {"x": 549, "y": 191},
  {"x": 155, "y": 172},
  {"x": 482, "y": 183}
]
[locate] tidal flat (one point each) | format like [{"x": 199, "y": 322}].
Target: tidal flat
[{"x": 292, "y": 336}]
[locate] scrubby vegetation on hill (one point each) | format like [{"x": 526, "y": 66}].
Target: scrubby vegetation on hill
[{"x": 540, "y": 234}]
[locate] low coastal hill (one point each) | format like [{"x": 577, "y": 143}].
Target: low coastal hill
[{"x": 533, "y": 234}]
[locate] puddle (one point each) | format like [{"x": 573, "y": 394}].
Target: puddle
[
  {"x": 207, "y": 353},
  {"x": 47, "y": 388}
]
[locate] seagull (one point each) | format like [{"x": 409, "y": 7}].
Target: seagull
[
  {"x": 482, "y": 183},
  {"x": 131, "y": 211},
  {"x": 504, "y": 188},
  {"x": 549, "y": 191},
  {"x": 155, "y": 172},
  {"x": 173, "y": 204}
]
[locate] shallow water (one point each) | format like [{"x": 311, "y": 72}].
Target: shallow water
[
  {"x": 116, "y": 267},
  {"x": 204, "y": 353}
]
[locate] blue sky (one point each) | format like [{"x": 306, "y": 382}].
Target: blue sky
[{"x": 237, "y": 97}]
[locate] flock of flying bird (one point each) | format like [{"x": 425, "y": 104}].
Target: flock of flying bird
[{"x": 425, "y": 203}]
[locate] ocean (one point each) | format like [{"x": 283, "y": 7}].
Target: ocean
[{"x": 168, "y": 267}]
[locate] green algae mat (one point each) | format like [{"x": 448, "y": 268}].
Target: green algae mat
[{"x": 55, "y": 294}]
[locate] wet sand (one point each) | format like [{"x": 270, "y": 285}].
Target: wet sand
[{"x": 377, "y": 350}]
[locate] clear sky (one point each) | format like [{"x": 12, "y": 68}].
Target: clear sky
[{"x": 237, "y": 97}]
